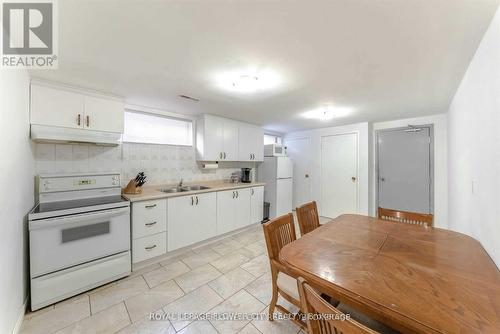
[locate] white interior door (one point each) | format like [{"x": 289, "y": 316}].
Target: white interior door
[
  {"x": 299, "y": 151},
  {"x": 404, "y": 169},
  {"x": 339, "y": 175}
]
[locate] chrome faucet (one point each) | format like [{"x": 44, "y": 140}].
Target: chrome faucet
[{"x": 180, "y": 183}]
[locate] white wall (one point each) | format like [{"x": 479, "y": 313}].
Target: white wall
[
  {"x": 440, "y": 177},
  {"x": 16, "y": 197},
  {"x": 363, "y": 178},
  {"x": 474, "y": 147}
]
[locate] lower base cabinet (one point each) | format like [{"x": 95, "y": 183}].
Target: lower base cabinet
[
  {"x": 191, "y": 219},
  {"x": 165, "y": 225}
]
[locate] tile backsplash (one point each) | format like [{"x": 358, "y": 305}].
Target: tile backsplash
[{"x": 161, "y": 163}]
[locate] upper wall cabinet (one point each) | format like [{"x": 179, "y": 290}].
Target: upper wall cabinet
[
  {"x": 222, "y": 139},
  {"x": 250, "y": 143},
  {"x": 71, "y": 109}
]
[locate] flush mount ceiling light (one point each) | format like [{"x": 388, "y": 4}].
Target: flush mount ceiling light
[
  {"x": 326, "y": 113},
  {"x": 248, "y": 81}
]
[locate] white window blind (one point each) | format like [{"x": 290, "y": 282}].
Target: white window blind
[{"x": 157, "y": 129}]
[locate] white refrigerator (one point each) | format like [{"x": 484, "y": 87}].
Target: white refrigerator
[{"x": 277, "y": 173}]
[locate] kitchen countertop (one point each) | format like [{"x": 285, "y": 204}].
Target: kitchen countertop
[{"x": 153, "y": 192}]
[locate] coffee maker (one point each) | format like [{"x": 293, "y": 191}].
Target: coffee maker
[{"x": 246, "y": 175}]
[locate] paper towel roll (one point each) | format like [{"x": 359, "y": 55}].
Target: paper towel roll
[{"x": 210, "y": 166}]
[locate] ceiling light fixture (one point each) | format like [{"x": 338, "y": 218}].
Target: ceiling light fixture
[
  {"x": 327, "y": 113},
  {"x": 249, "y": 80}
]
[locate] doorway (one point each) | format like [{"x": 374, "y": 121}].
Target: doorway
[
  {"x": 404, "y": 169},
  {"x": 339, "y": 174},
  {"x": 299, "y": 151}
]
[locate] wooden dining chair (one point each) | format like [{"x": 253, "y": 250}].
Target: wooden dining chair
[
  {"x": 421, "y": 219},
  {"x": 278, "y": 233},
  {"x": 307, "y": 215},
  {"x": 324, "y": 318}
]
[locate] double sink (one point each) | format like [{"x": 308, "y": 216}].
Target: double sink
[{"x": 183, "y": 189}]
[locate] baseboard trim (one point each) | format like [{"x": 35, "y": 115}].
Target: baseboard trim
[{"x": 20, "y": 318}]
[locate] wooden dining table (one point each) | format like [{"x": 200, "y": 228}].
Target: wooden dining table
[{"x": 411, "y": 278}]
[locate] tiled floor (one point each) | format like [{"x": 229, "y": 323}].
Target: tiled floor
[{"x": 228, "y": 275}]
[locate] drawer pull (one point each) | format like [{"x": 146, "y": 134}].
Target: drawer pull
[
  {"x": 150, "y": 206},
  {"x": 150, "y": 247},
  {"x": 150, "y": 224}
]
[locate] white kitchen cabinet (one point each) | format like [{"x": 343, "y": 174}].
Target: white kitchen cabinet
[
  {"x": 56, "y": 107},
  {"x": 216, "y": 139},
  {"x": 233, "y": 210},
  {"x": 70, "y": 108},
  {"x": 103, "y": 114},
  {"x": 250, "y": 143},
  {"x": 191, "y": 219},
  {"x": 256, "y": 204}
]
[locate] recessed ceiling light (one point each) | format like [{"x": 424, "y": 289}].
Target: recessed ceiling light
[
  {"x": 248, "y": 80},
  {"x": 326, "y": 113}
]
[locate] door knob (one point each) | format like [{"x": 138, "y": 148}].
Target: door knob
[
  {"x": 306, "y": 176},
  {"x": 382, "y": 179},
  {"x": 353, "y": 179}
]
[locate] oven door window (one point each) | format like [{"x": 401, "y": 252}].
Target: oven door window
[{"x": 84, "y": 232}]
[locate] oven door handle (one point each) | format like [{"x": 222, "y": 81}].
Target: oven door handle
[{"x": 78, "y": 219}]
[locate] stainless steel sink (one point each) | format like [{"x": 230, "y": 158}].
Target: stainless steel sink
[
  {"x": 183, "y": 189},
  {"x": 173, "y": 190},
  {"x": 189, "y": 188}
]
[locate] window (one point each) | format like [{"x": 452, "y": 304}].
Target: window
[
  {"x": 157, "y": 129},
  {"x": 272, "y": 139}
]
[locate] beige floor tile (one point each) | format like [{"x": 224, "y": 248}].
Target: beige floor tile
[
  {"x": 197, "y": 302},
  {"x": 148, "y": 326},
  {"x": 109, "y": 321},
  {"x": 178, "y": 256},
  {"x": 143, "y": 304},
  {"x": 226, "y": 246},
  {"x": 241, "y": 302},
  {"x": 228, "y": 262},
  {"x": 75, "y": 299},
  {"x": 258, "y": 266},
  {"x": 165, "y": 273},
  {"x": 30, "y": 314},
  {"x": 249, "y": 329},
  {"x": 256, "y": 248},
  {"x": 197, "y": 260},
  {"x": 197, "y": 277},
  {"x": 261, "y": 288},
  {"x": 56, "y": 318},
  {"x": 117, "y": 293},
  {"x": 226, "y": 285},
  {"x": 278, "y": 326},
  {"x": 199, "y": 327},
  {"x": 144, "y": 270}
]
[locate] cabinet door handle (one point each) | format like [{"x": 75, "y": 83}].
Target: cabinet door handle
[
  {"x": 252, "y": 191},
  {"x": 197, "y": 200},
  {"x": 192, "y": 200},
  {"x": 150, "y": 224},
  {"x": 150, "y": 206},
  {"x": 148, "y": 248},
  {"x": 234, "y": 194},
  {"x": 220, "y": 155},
  {"x": 88, "y": 121},
  {"x": 237, "y": 194},
  {"x": 79, "y": 120},
  {"x": 224, "y": 155}
]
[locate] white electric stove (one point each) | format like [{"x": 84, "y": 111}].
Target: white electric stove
[{"x": 79, "y": 236}]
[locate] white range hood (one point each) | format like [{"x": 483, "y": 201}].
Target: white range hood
[{"x": 56, "y": 134}]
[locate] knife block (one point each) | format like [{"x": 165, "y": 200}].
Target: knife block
[{"x": 132, "y": 188}]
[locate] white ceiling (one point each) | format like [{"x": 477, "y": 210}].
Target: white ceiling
[{"x": 385, "y": 59}]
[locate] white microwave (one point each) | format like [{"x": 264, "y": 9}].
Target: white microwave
[{"x": 275, "y": 150}]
